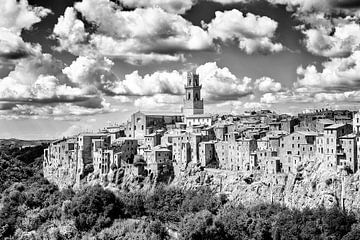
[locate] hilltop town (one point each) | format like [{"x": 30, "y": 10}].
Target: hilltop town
[{"x": 160, "y": 147}]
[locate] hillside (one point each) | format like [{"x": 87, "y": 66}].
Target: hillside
[{"x": 190, "y": 208}]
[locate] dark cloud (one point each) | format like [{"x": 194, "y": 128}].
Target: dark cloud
[
  {"x": 7, "y": 106},
  {"x": 346, "y": 3},
  {"x": 20, "y": 53}
]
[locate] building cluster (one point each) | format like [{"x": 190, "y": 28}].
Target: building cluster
[{"x": 165, "y": 144}]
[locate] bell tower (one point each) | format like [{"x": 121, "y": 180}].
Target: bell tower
[{"x": 193, "y": 104}]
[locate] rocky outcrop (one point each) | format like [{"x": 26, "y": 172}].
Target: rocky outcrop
[{"x": 314, "y": 184}]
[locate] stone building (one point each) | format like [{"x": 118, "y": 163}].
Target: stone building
[
  {"x": 356, "y": 123},
  {"x": 158, "y": 160},
  {"x": 145, "y": 123},
  {"x": 60, "y": 162},
  {"x": 124, "y": 151},
  {"x": 235, "y": 155},
  {"x": 103, "y": 159},
  {"x": 289, "y": 124},
  {"x": 331, "y": 145},
  {"x": 348, "y": 152},
  {"x": 207, "y": 154},
  {"x": 85, "y": 151},
  {"x": 153, "y": 139},
  {"x": 297, "y": 148},
  {"x": 185, "y": 149}
]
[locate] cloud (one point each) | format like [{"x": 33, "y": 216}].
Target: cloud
[
  {"x": 38, "y": 77},
  {"x": 17, "y": 15},
  {"x": 266, "y": 84},
  {"x": 138, "y": 36},
  {"x": 41, "y": 86},
  {"x": 252, "y": 33},
  {"x": 58, "y": 111},
  {"x": 92, "y": 74},
  {"x": 70, "y": 32},
  {"x": 338, "y": 74},
  {"x": 256, "y": 105},
  {"x": 346, "y": 3},
  {"x": 171, "y": 6},
  {"x": 330, "y": 30},
  {"x": 220, "y": 84},
  {"x": 225, "y": 2},
  {"x": 335, "y": 38},
  {"x": 76, "y": 129},
  {"x": 13, "y": 47},
  {"x": 170, "y": 103},
  {"x": 150, "y": 84}
]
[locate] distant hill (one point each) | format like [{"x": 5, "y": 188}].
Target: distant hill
[{"x": 18, "y": 143}]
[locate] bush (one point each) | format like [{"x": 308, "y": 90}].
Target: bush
[{"x": 94, "y": 208}]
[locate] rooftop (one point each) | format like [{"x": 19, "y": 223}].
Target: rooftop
[
  {"x": 148, "y": 113},
  {"x": 199, "y": 116},
  {"x": 351, "y": 135},
  {"x": 308, "y": 133},
  {"x": 326, "y": 121},
  {"x": 335, "y": 126}
]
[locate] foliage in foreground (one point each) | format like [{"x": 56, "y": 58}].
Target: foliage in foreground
[{"x": 33, "y": 208}]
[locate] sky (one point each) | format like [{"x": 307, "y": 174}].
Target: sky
[{"x": 70, "y": 66}]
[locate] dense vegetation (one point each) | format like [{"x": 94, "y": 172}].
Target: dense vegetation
[{"x": 33, "y": 208}]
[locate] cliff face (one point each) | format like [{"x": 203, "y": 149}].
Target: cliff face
[{"x": 314, "y": 184}]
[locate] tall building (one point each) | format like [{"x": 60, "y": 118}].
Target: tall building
[{"x": 193, "y": 104}]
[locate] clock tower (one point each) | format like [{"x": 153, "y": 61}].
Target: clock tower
[{"x": 193, "y": 104}]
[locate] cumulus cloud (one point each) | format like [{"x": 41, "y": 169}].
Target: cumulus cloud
[
  {"x": 13, "y": 47},
  {"x": 266, "y": 84},
  {"x": 256, "y": 105},
  {"x": 335, "y": 38},
  {"x": 330, "y": 30},
  {"x": 170, "y": 103},
  {"x": 337, "y": 74},
  {"x": 252, "y": 33},
  {"x": 172, "y": 6},
  {"x": 40, "y": 85},
  {"x": 92, "y": 74},
  {"x": 17, "y": 15},
  {"x": 138, "y": 36},
  {"x": 150, "y": 84},
  {"x": 220, "y": 84},
  {"x": 70, "y": 32}
]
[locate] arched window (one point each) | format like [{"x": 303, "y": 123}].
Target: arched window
[
  {"x": 197, "y": 97},
  {"x": 189, "y": 95}
]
